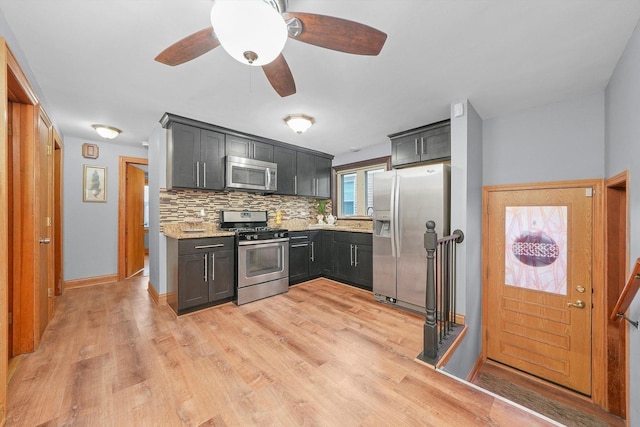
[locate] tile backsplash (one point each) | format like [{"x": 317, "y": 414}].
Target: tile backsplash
[{"x": 176, "y": 205}]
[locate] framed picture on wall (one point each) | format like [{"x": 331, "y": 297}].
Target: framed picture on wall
[
  {"x": 94, "y": 184},
  {"x": 90, "y": 151}
]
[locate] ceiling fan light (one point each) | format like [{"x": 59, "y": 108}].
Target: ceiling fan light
[
  {"x": 107, "y": 132},
  {"x": 299, "y": 123},
  {"x": 251, "y": 31}
]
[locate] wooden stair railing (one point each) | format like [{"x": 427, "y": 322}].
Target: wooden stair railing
[{"x": 628, "y": 294}]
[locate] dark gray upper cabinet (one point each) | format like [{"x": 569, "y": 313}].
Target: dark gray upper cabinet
[
  {"x": 244, "y": 147},
  {"x": 425, "y": 144},
  {"x": 322, "y": 172},
  {"x": 313, "y": 175},
  {"x": 285, "y": 158},
  {"x": 195, "y": 158},
  {"x": 196, "y": 154}
]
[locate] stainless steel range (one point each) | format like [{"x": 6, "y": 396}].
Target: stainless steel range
[{"x": 263, "y": 255}]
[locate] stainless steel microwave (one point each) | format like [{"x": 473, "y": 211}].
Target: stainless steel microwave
[{"x": 249, "y": 174}]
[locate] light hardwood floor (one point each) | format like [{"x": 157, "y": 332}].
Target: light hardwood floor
[{"x": 322, "y": 354}]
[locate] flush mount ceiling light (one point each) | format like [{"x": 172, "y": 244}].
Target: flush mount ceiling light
[
  {"x": 251, "y": 31},
  {"x": 107, "y": 132},
  {"x": 299, "y": 122}
]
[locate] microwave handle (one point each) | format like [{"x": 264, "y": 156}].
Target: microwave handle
[{"x": 268, "y": 172}]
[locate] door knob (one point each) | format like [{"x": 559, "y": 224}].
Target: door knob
[
  {"x": 45, "y": 240},
  {"x": 579, "y": 303}
]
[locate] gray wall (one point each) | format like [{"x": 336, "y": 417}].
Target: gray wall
[
  {"x": 622, "y": 153},
  {"x": 466, "y": 215},
  {"x": 157, "y": 180},
  {"x": 91, "y": 229},
  {"x": 561, "y": 141}
]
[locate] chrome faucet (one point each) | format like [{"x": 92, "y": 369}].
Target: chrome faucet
[{"x": 370, "y": 214}]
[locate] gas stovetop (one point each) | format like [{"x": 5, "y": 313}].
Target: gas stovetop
[
  {"x": 250, "y": 225},
  {"x": 261, "y": 233}
]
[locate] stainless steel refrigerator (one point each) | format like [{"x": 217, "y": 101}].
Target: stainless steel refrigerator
[{"x": 403, "y": 201}]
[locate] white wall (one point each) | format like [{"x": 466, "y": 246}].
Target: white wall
[
  {"x": 90, "y": 239},
  {"x": 555, "y": 142},
  {"x": 373, "y": 152},
  {"x": 622, "y": 153}
]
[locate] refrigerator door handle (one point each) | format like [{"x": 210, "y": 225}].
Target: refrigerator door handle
[
  {"x": 393, "y": 216},
  {"x": 396, "y": 216}
]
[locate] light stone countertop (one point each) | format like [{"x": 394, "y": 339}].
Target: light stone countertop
[
  {"x": 194, "y": 231},
  {"x": 182, "y": 230},
  {"x": 352, "y": 226}
]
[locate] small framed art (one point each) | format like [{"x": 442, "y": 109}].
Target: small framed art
[
  {"x": 90, "y": 151},
  {"x": 94, "y": 188}
]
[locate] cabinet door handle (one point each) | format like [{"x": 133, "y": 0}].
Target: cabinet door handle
[
  {"x": 301, "y": 245},
  {"x": 295, "y": 184},
  {"x": 197, "y": 174},
  {"x": 204, "y": 173},
  {"x": 422, "y": 145},
  {"x": 355, "y": 250},
  {"x": 351, "y": 254},
  {"x": 313, "y": 255},
  {"x": 316, "y": 180},
  {"x": 219, "y": 245},
  {"x": 298, "y": 237},
  {"x": 206, "y": 268},
  {"x": 213, "y": 267},
  {"x": 416, "y": 142}
]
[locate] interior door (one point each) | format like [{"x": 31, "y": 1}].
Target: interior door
[
  {"x": 539, "y": 279},
  {"x": 45, "y": 301},
  {"x": 134, "y": 222}
]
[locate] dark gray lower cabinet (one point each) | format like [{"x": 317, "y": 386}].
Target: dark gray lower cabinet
[
  {"x": 315, "y": 254},
  {"x": 339, "y": 255},
  {"x": 353, "y": 258},
  {"x": 298, "y": 256},
  {"x": 201, "y": 272}
]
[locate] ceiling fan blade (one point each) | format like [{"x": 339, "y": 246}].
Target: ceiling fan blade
[
  {"x": 337, "y": 34},
  {"x": 280, "y": 77},
  {"x": 189, "y": 47}
]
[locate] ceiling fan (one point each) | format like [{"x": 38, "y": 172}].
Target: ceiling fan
[{"x": 255, "y": 31}]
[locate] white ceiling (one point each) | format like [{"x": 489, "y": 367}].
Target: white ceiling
[{"x": 93, "y": 60}]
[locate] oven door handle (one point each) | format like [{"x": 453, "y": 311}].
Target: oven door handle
[{"x": 262, "y": 242}]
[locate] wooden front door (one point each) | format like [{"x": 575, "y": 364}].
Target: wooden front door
[
  {"x": 134, "y": 222},
  {"x": 538, "y": 282}
]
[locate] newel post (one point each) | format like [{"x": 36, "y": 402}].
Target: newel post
[{"x": 430, "y": 323}]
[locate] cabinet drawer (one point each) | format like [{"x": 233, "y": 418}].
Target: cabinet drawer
[
  {"x": 208, "y": 244},
  {"x": 298, "y": 237},
  {"x": 355, "y": 238}
]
